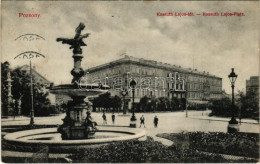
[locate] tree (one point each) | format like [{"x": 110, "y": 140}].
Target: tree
[
  {"x": 249, "y": 105},
  {"x": 175, "y": 104},
  {"x": 103, "y": 101},
  {"x": 144, "y": 104},
  {"x": 163, "y": 104},
  {"x": 183, "y": 103},
  {"x": 154, "y": 103},
  {"x": 4, "y": 69},
  {"x": 21, "y": 90},
  {"x": 106, "y": 102},
  {"x": 116, "y": 103},
  {"x": 222, "y": 107}
]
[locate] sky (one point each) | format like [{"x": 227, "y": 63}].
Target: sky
[{"x": 214, "y": 44}]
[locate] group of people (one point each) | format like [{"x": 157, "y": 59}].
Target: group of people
[
  {"x": 155, "y": 121},
  {"x": 105, "y": 118},
  {"x": 142, "y": 120}
]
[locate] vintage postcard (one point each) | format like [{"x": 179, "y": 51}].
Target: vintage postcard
[{"x": 129, "y": 81}]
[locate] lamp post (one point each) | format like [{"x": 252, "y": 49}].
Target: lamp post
[
  {"x": 133, "y": 119},
  {"x": 124, "y": 93},
  {"x": 30, "y": 55},
  {"x": 233, "y": 124},
  {"x": 31, "y": 93}
]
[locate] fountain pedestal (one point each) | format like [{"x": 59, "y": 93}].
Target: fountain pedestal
[{"x": 74, "y": 126}]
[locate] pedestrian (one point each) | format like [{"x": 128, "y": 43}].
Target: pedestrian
[
  {"x": 104, "y": 118},
  {"x": 142, "y": 121},
  {"x": 113, "y": 118},
  {"x": 155, "y": 121}
]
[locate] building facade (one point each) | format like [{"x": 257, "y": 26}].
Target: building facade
[
  {"x": 252, "y": 85},
  {"x": 155, "y": 78}
]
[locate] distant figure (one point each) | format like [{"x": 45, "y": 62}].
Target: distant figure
[
  {"x": 155, "y": 121},
  {"x": 142, "y": 121},
  {"x": 104, "y": 118},
  {"x": 113, "y": 118}
]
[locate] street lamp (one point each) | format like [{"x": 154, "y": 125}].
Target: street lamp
[
  {"x": 31, "y": 89},
  {"x": 133, "y": 119},
  {"x": 30, "y": 55},
  {"x": 233, "y": 124},
  {"x": 124, "y": 93}
]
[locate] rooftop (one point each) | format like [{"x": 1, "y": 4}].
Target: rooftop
[
  {"x": 151, "y": 63},
  {"x": 34, "y": 72}
]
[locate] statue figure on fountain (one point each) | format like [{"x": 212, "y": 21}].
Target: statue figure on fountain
[
  {"x": 77, "y": 41},
  {"x": 90, "y": 124}
]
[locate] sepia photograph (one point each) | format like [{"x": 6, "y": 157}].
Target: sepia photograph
[{"x": 129, "y": 81}]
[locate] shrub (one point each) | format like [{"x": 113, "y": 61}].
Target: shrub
[
  {"x": 135, "y": 151},
  {"x": 240, "y": 144}
]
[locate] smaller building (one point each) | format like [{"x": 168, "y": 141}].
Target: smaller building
[
  {"x": 252, "y": 85},
  {"x": 38, "y": 78}
]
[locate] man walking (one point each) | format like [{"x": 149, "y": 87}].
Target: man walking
[
  {"x": 155, "y": 121},
  {"x": 142, "y": 121},
  {"x": 113, "y": 118},
  {"x": 104, "y": 119}
]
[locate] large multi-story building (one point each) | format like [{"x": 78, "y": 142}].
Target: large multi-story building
[
  {"x": 157, "y": 79},
  {"x": 252, "y": 85}
]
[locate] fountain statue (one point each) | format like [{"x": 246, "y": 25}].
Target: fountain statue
[{"x": 74, "y": 126}]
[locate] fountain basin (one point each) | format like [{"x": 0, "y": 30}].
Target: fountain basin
[{"x": 50, "y": 137}]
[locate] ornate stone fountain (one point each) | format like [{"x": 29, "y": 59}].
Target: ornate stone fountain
[
  {"x": 74, "y": 125},
  {"x": 76, "y": 132}
]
